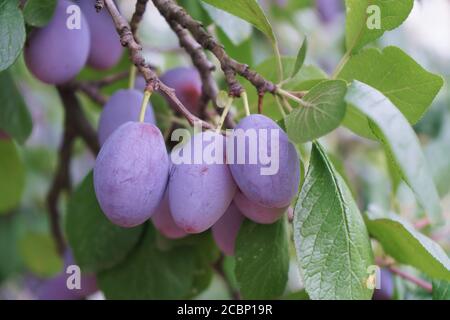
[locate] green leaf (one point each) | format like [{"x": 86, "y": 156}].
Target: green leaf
[
  {"x": 237, "y": 30},
  {"x": 38, "y": 251},
  {"x": 38, "y": 13},
  {"x": 395, "y": 74},
  {"x": 248, "y": 10},
  {"x": 300, "y": 58},
  {"x": 441, "y": 290},
  {"x": 95, "y": 241},
  {"x": 392, "y": 15},
  {"x": 150, "y": 273},
  {"x": 305, "y": 79},
  {"x": 9, "y": 255},
  {"x": 262, "y": 259},
  {"x": 323, "y": 112},
  {"x": 12, "y": 173},
  {"x": 400, "y": 141},
  {"x": 12, "y": 32},
  {"x": 407, "y": 246},
  {"x": 14, "y": 116},
  {"x": 331, "y": 239}
]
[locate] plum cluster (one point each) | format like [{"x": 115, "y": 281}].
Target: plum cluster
[
  {"x": 56, "y": 53},
  {"x": 136, "y": 180}
]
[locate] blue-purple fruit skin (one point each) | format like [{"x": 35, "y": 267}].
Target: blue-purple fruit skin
[
  {"x": 199, "y": 194},
  {"x": 386, "y": 290},
  {"x": 55, "y": 54},
  {"x": 187, "y": 84},
  {"x": 123, "y": 106},
  {"x": 130, "y": 173},
  {"x": 163, "y": 221},
  {"x": 106, "y": 49},
  {"x": 56, "y": 288},
  {"x": 328, "y": 10},
  {"x": 272, "y": 191},
  {"x": 225, "y": 231},
  {"x": 255, "y": 212}
]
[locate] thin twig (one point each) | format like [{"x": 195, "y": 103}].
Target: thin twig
[
  {"x": 417, "y": 281},
  {"x": 138, "y": 14},
  {"x": 91, "y": 91},
  {"x": 78, "y": 119},
  {"x": 171, "y": 11},
  {"x": 153, "y": 83},
  {"x": 205, "y": 69}
]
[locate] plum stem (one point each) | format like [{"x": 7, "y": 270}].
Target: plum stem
[
  {"x": 246, "y": 106},
  {"x": 132, "y": 77},
  {"x": 144, "y": 105},
  {"x": 224, "y": 114}
]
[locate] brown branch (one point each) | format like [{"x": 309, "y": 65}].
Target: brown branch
[
  {"x": 106, "y": 81},
  {"x": 153, "y": 83},
  {"x": 417, "y": 281},
  {"x": 138, "y": 14},
  {"x": 230, "y": 67},
  {"x": 91, "y": 91},
  {"x": 205, "y": 69},
  {"x": 78, "y": 119}
]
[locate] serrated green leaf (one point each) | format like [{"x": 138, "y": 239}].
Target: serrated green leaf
[
  {"x": 330, "y": 237},
  {"x": 12, "y": 32},
  {"x": 301, "y": 55},
  {"x": 38, "y": 13},
  {"x": 392, "y": 15},
  {"x": 14, "y": 116},
  {"x": 237, "y": 30},
  {"x": 324, "y": 110},
  {"x": 262, "y": 259},
  {"x": 400, "y": 141},
  {"x": 248, "y": 10},
  {"x": 95, "y": 241},
  {"x": 441, "y": 290},
  {"x": 407, "y": 246},
  {"x": 395, "y": 74},
  {"x": 12, "y": 176},
  {"x": 39, "y": 254},
  {"x": 150, "y": 273}
]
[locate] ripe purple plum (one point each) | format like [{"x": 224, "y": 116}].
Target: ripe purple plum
[
  {"x": 57, "y": 52},
  {"x": 163, "y": 221},
  {"x": 106, "y": 48},
  {"x": 264, "y": 163},
  {"x": 225, "y": 231},
  {"x": 187, "y": 84},
  {"x": 200, "y": 191},
  {"x": 130, "y": 173},
  {"x": 122, "y": 106},
  {"x": 256, "y": 212},
  {"x": 386, "y": 290}
]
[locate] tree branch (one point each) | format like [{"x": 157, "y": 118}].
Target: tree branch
[
  {"x": 138, "y": 14},
  {"x": 78, "y": 119},
  {"x": 230, "y": 67},
  {"x": 204, "y": 67},
  {"x": 153, "y": 83}
]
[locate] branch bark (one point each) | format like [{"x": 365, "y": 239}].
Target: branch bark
[
  {"x": 153, "y": 83},
  {"x": 230, "y": 67},
  {"x": 138, "y": 14}
]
